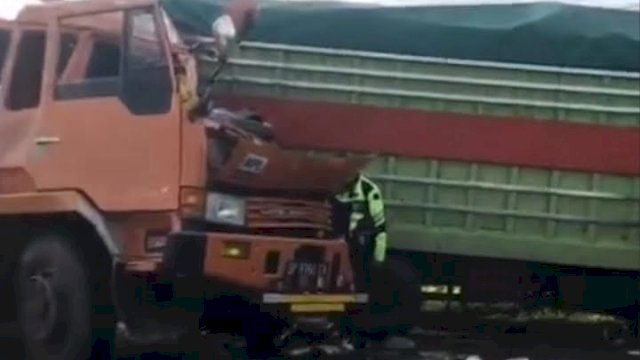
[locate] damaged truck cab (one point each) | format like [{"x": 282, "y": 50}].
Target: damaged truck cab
[{"x": 119, "y": 210}]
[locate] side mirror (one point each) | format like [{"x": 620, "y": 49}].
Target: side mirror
[
  {"x": 224, "y": 33},
  {"x": 228, "y": 29},
  {"x": 239, "y": 17}
]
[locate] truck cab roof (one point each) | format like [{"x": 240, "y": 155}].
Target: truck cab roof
[{"x": 45, "y": 11}]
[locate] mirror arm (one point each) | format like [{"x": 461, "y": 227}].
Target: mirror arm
[{"x": 201, "y": 108}]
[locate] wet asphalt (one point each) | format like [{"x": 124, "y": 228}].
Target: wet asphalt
[
  {"x": 435, "y": 348},
  {"x": 551, "y": 342},
  {"x": 443, "y": 341}
]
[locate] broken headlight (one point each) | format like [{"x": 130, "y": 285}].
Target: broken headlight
[{"x": 225, "y": 209}]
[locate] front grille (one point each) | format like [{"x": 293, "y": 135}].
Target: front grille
[
  {"x": 276, "y": 216},
  {"x": 285, "y": 214}
]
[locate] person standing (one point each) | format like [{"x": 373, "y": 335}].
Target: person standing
[{"x": 392, "y": 285}]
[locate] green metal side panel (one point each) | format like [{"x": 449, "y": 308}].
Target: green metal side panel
[
  {"x": 529, "y": 214},
  {"x": 482, "y": 88},
  {"x": 473, "y": 209},
  {"x": 558, "y": 217}
]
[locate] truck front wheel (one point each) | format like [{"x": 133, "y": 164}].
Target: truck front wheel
[{"x": 55, "y": 304}]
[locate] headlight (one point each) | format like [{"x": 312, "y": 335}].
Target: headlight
[{"x": 225, "y": 209}]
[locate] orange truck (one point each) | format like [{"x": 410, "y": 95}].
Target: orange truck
[{"x": 122, "y": 214}]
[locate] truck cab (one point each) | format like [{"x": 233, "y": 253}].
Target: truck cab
[{"x": 112, "y": 189}]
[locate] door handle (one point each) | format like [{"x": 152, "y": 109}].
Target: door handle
[{"x": 46, "y": 140}]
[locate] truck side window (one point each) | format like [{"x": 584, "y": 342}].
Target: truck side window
[
  {"x": 5, "y": 36},
  {"x": 90, "y": 56},
  {"x": 145, "y": 49},
  {"x": 104, "y": 61},
  {"x": 68, "y": 43},
  {"x": 26, "y": 79},
  {"x": 146, "y": 66}
]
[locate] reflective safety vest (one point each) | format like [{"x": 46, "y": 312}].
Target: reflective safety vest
[{"x": 367, "y": 213}]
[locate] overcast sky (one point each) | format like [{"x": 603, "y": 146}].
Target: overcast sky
[{"x": 10, "y": 8}]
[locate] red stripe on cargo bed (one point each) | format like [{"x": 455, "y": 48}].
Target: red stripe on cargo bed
[{"x": 414, "y": 133}]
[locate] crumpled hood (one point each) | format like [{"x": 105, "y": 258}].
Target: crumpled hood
[{"x": 242, "y": 160}]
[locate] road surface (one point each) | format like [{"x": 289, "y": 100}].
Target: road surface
[{"x": 479, "y": 342}]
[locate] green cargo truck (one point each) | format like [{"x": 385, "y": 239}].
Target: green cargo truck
[{"x": 507, "y": 179}]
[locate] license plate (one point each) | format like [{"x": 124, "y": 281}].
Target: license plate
[
  {"x": 307, "y": 276},
  {"x": 307, "y": 269}
]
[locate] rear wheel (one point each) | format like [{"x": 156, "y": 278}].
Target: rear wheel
[
  {"x": 56, "y": 304},
  {"x": 395, "y": 299}
]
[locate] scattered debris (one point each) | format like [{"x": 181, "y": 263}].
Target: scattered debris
[
  {"x": 435, "y": 355},
  {"x": 556, "y": 315},
  {"x": 417, "y": 331},
  {"x": 399, "y": 343},
  {"x": 473, "y": 357}
]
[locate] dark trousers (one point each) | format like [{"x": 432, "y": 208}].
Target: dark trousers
[{"x": 361, "y": 250}]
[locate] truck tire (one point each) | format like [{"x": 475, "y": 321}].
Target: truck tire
[
  {"x": 395, "y": 298},
  {"x": 55, "y": 304}
]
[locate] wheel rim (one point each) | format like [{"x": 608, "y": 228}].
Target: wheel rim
[
  {"x": 44, "y": 320},
  {"x": 44, "y": 308}
]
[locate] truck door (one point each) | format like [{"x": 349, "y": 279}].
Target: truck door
[{"x": 110, "y": 123}]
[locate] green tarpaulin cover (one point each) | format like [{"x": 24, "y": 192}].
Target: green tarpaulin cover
[{"x": 534, "y": 33}]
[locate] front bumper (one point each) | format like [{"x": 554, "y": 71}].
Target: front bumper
[
  {"x": 262, "y": 273},
  {"x": 314, "y": 303}
]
